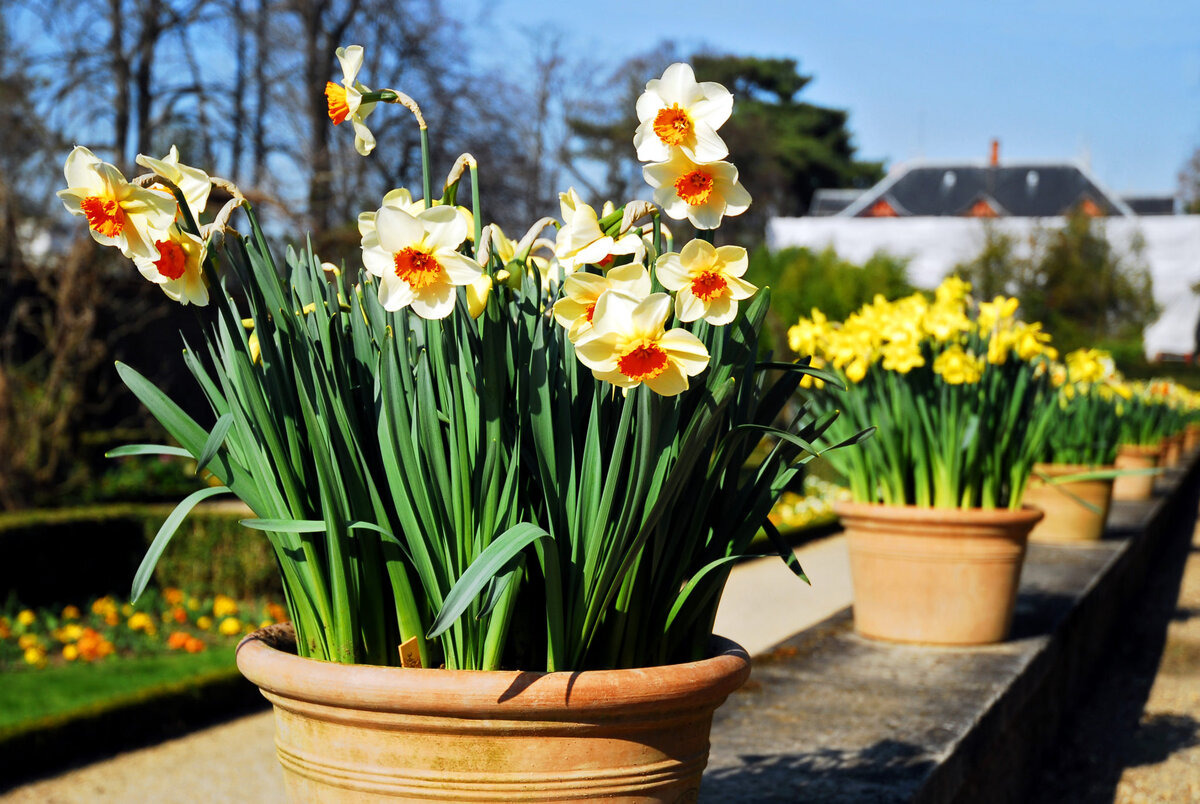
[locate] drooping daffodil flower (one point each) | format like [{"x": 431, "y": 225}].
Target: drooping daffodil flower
[
  {"x": 704, "y": 193},
  {"x": 346, "y": 99},
  {"x": 118, "y": 213},
  {"x": 193, "y": 182},
  {"x": 629, "y": 345},
  {"x": 676, "y": 111},
  {"x": 177, "y": 267},
  {"x": 707, "y": 281},
  {"x": 581, "y": 241},
  {"x": 417, "y": 259}
]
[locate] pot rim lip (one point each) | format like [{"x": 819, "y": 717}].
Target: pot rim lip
[
  {"x": 488, "y": 693},
  {"x": 1140, "y": 449},
  {"x": 1082, "y": 467},
  {"x": 1026, "y": 514}
]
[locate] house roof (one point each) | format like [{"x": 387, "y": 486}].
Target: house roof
[{"x": 1026, "y": 190}]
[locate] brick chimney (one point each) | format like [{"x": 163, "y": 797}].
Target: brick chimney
[{"x": 994, "y": 160}]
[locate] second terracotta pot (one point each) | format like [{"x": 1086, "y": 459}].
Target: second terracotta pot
[
  {"x": 1067, "y": 520},
  {"x": 939, "y": 576},
  {"x": 1135, "y": 456}
]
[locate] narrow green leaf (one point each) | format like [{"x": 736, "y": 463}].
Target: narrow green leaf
[
  {"x": 215, "y": 439},
  {"x": 163, "y": 537}
]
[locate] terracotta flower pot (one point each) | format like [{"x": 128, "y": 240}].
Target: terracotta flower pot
[
  {"x": 939, "y": 576},
  {"x": 1191, "y": 438},
  {"x": 357, "y": 733},
  {"x": 1134, "y": 456},
  {"x": 1172, "y": 446},
  {"x": 1066, "y": 519}
]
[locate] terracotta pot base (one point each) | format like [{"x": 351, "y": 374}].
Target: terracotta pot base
[
  {"x": 932, "y": 575},
  {"x": 357, "y": 733}
]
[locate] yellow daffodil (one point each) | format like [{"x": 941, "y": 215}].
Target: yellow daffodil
[
  {"x": 118, "y": 213},
  {"x": 581, "y": 241},
  {"x": 957, "y": 366},
  {"x": 176, "y": 267},
  {"x": 707, "y": 281},
  {"x": 1031, "y": 341},
  {"x": 582, "y": 291},
  {"x": 995, "y": 312},
  {"x": 902, "y": 357},
  {"x": 805, "y": 336},
  {"x": 478, "y": 293},
  {"x": 345, "y": 99},
  {"x": 952, "y": 290},
  {"x": 702, "y": 192},
  {"x": 676, "y": 111},
  {"x": 945, "y": 319},
  {"x": 417, "y": 259},
  {"x": 194, "y": 183},
  {"x": 628, "y": 345}
]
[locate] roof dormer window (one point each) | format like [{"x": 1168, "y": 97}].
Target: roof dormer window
[
  {"x": 949, "y": 179},
  {"x": 1031, "y": 180}
]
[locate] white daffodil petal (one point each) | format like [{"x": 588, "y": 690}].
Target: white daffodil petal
[
  {"x": 460, "y": 269},
  {"x": 686, "y": 349},
  {"x": 397, "y": 229},
  {"x": 394, "y": 293},
  {"x": 378, "y": 262},
  {"x": 351, "y": 59},
  {"x": 739, "y": 288},
  {"x": 687, "y": 306},
  {"x": 435, "y": 301},
  {"x": 735, "y": 258},
  {"x": 709, "y": 146},
  {"x": 80, "y": 168},
  {"x": 698, "y": 255},
  {"x": 671, "y": 382},
  {"x": 670, "y": 271},
  {"x": 651, "y": 313},
  {"x": 444, "y": 227},
  {"x": 721, "y": 310},
  {"x": 598, "y": 350},
  {"x": 364, "y": 140},
  {"x": 614, "y": 311}
]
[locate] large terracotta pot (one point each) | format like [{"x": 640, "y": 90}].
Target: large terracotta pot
[
  {"x": 1134, "y": 456},
  {"x": 357, "y": 733},
  {"x": 937, "y": 576},
  {"x": 1066, "y": 519}
]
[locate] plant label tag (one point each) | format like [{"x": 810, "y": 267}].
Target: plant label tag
[{"x": 410, "y": 655}]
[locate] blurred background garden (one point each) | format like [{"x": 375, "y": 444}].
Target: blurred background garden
[{"x": 1094, "y": 224}]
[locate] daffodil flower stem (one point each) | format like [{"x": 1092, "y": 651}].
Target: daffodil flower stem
[
  {"x": 475, "y": 204},
  {"x": 426, "y": 180},
  {"x": 705, "y": 234}
]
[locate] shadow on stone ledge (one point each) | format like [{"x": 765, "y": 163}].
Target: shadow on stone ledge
[{"x": 826, "y": 775}]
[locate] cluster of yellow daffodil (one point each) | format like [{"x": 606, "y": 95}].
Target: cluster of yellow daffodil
[{"x": 910, "y": 332}]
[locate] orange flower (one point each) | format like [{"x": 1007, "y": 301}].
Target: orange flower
[
  {"x": 179, "y": 614},
  {"x": 178, "y": 640},
  {"x": 194, "y": 645},
  {"x": 173, "y": 595},
  {"x": 277, "y": 612}
]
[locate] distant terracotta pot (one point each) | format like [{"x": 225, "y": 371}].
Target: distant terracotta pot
[
  {"x": 938, "y": 576},
  {"x": 1172, "y": 447},
  {"x": 358, "y": 733},
  {"x": 1066, "y": 519},
  {"x": 1191, "y": 438},
  {"x": 1136, "y": 456}
]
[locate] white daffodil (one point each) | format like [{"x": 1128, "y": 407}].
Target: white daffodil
[
  {"x": 194, "y": 183},
  {"x": 176, "y": 268},
  {"x": 582, "y": 290},
  {"x": 676, "y": 111},
  {"x": 704, "y": 193},
  {"x": 581, "y": 241},
  {"x": 345, "y": 100},
  {"x": 707, "y": 280},
  {"x": 401, "y": 199},
  {"x": 628, "y": 345},
  {"x": 417, "y": 259},
  {"x": 118, "y": 213}
]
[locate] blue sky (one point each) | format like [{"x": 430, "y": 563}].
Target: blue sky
[{"x": 1115, "y": 84}]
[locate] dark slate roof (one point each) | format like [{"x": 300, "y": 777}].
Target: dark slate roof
[
  {"x": 831, "y": 202},
  {"x": 1151, "y": 204},
  {"x": 1020, "y": 190}
]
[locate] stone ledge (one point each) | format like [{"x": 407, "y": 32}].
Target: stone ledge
[{"x": 829, "y": 716}]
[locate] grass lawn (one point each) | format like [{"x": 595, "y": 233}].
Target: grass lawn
[{"x": 32, "y": 695}]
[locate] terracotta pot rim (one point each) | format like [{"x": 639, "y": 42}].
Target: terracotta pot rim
[
  {"x": 479, "y": 694},
  {"x": 908, "y": 513},
  {"x": 1140, "y": 449},
  {"x": 1071, "y": 468}
]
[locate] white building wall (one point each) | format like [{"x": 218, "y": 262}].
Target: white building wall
[{"x": 934, "y": 245}]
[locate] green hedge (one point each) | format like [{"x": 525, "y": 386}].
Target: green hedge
[{"x": 68, "y": 555}]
